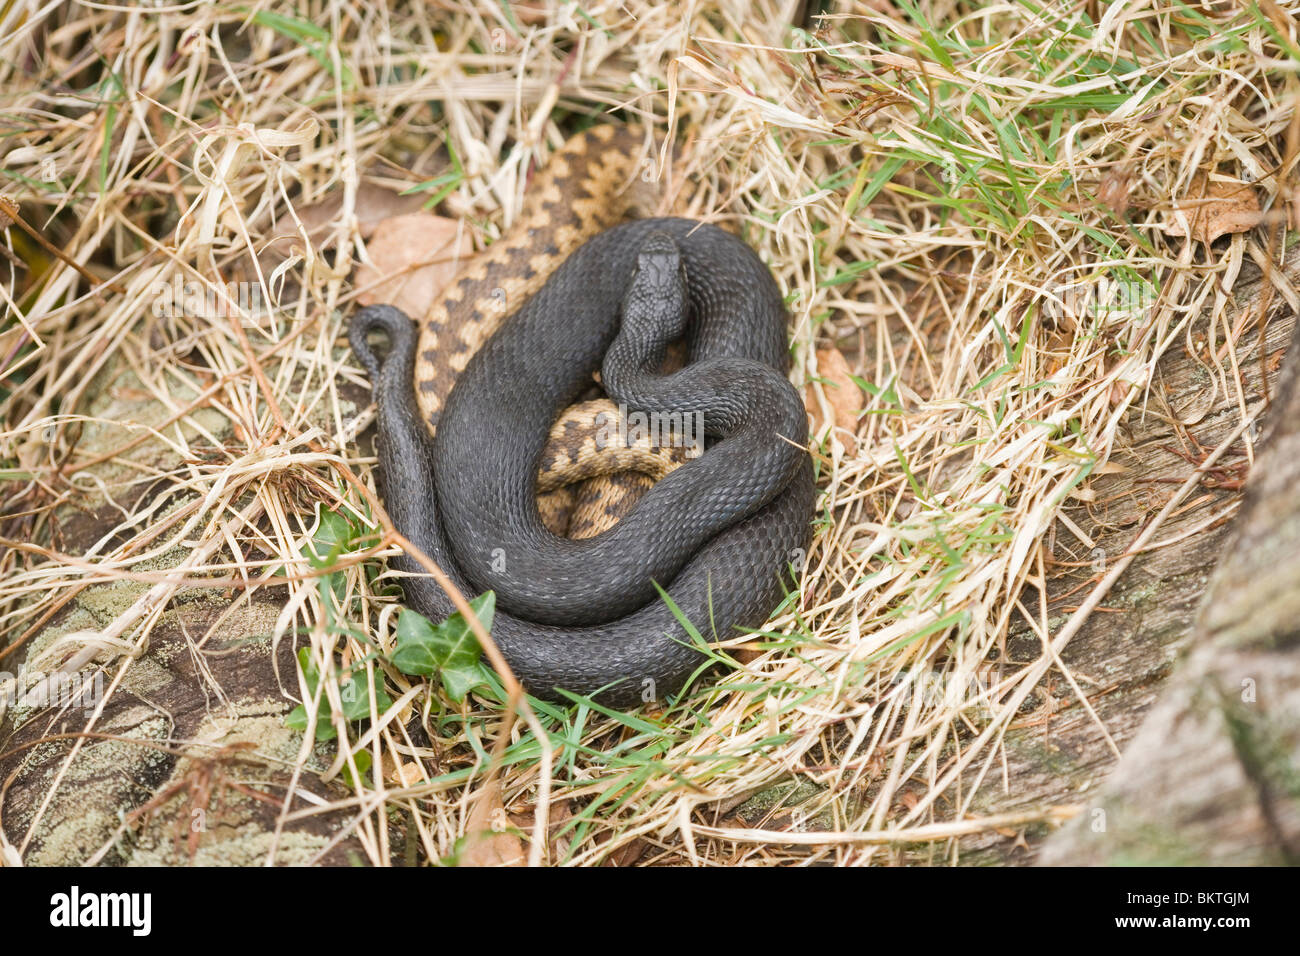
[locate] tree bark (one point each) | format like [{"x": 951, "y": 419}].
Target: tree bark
[
  {"x": 1213, "y": 774},
  {"x": 1209, "y": 773}
]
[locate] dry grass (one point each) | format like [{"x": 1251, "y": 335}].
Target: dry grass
[{"x": 950, "y": 193}]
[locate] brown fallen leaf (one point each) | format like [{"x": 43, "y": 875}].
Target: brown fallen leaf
[
  {"x": 1222, "y": 207},
  {"x": 406, "y": 774},
  {"x": 489, "y": 840},
  {"x": 628, "y": 854},
  {"x": 412, "y": 258},
  {"x": 373, "y": 205},
  {"x": 558, "y": 814},
  {"x": 1114, "y": 190},
  {"x": 843, "y": 395}
]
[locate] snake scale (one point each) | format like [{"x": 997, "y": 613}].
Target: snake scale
[{"x": 466, "y": 400}]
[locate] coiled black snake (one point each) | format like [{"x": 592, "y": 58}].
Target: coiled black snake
[{"x": 719, "y": 533}]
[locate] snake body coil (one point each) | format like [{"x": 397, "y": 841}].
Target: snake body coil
[
  {"x": 496, "y": 421},
  {"x": 584, "y": 616}
]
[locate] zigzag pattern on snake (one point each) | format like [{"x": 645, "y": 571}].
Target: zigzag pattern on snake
[{"x": 440, "y": 491}]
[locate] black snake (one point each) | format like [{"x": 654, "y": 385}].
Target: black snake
[{"x": 719, "y": 532}]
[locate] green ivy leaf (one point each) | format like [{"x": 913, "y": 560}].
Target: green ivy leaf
[
  {"x": 448, "y": 649},
  {"x": 352, "y": 692},
  {"x": 363, "y": 761},
  {"x": 414, "y": 652},
  {"x": 297, "y": 720},
  {"x": 459, "y": 681},
  {"x": 355, "y": 695},
  {"x": 309, "y": 671},
  {"x": 334, "y": 534}
]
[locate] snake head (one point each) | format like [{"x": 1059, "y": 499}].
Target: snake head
[
  {"x": 659, "y": 258},
  {"x": 656, "y": 298}
]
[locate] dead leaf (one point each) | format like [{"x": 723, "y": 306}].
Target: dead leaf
[
  {"x": 1222, "y": 207},
  {"x": 843, "y": 395},
  {"x": 412, "y": 259},
  {"x": 407, "y": 774},
  {"x": 373, "y": 205},
  {"x": 489, "y": 837},
  {"x": 1114, "y": 190},
  {"x": 628, "y": 854},
  {"x": 558, "y": 814}
]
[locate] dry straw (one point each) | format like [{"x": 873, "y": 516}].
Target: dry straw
[{"x": 969, "y": 201}]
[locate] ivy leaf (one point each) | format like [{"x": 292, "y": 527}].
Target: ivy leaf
[
  {"x": 334, "y": 533},
  {"x": 352, "y": 692},
  {"x": 309, "y": 671},
  {"x": 414, "y": 652},
  {"x": 297, "y": 720},
  {"x": 459, "y": 681},
  {"x": 448, "y": 649},
  {"x": 355, "y": 695},
  {"x": 363, "y": 761},
  {"x": 335, "y": 536}
]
